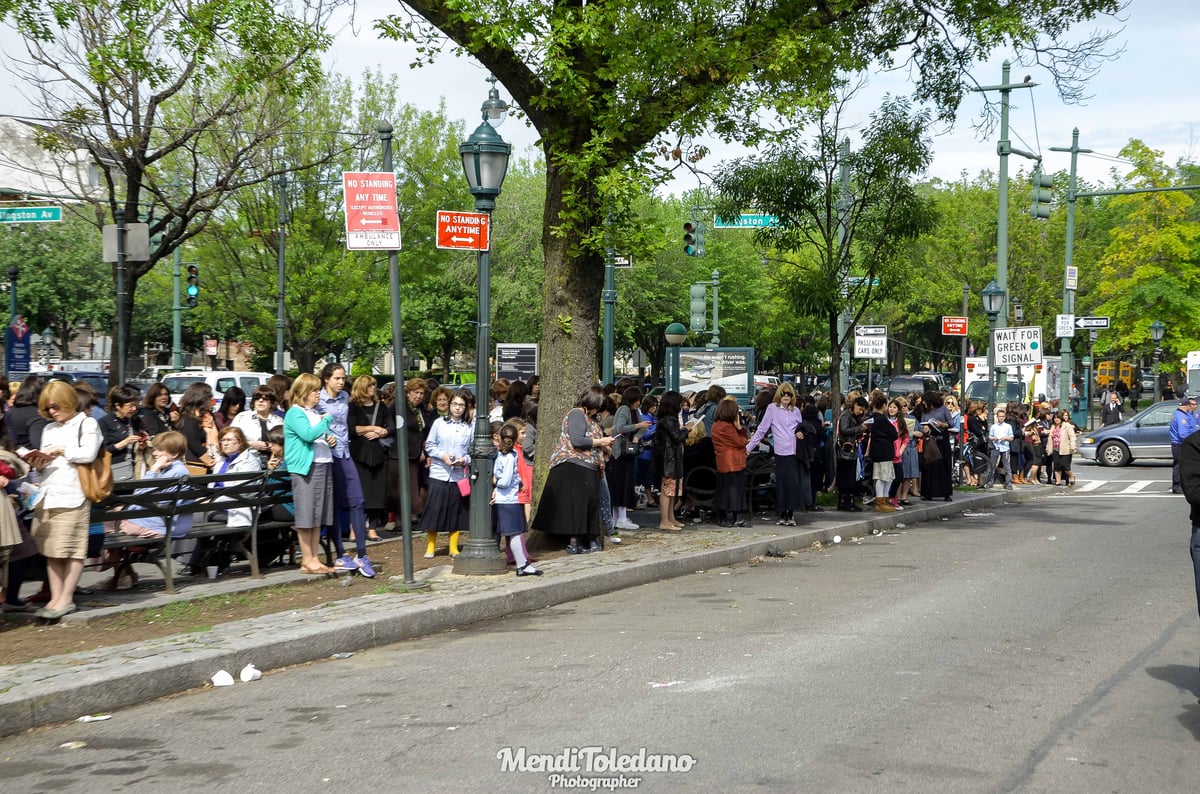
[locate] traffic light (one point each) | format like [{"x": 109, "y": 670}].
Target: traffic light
[
  {"x": 693, "y": 239},
  {"x": 699, "y": 306},
  {"x": 193, "y": 286},
  {"x": 1042, "y": 183}
]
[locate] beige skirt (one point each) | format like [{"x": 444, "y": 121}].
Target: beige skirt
[{"x": 62, "y": 533}]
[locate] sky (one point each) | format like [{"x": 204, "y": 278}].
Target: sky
[{"x": 1147, "y": 93}]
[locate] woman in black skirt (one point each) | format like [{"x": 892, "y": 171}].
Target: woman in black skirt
[
  {"x": 729, "y": 438},
  {"x": 372, "y": 430},
  {"x": 447, "y": 446},
  {"x": 570, "y": 503}
]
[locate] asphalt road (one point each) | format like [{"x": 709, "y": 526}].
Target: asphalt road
[{"x": 1049, "y": 646}]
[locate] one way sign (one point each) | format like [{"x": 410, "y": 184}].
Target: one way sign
[{"x": 1091, "y": 322}]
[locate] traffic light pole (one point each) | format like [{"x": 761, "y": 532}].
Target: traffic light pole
[
  {"x": 609, "y": 298},
  {"x": 177, "y": 312},
  {"x": 1067, "y": 367}
]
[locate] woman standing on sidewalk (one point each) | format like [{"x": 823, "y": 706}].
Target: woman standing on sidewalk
[
  {"x": 60, "y": 510},
  {"x": 782, "y": 421},
  {"x": 729, "y": 437},
  {"x": 618, "y": 473},
  {"x": 308, "y": 457},
  {"x": 882, "y": 451},
  {"x": 372, "y": 433},
  {"x": 350, "y": 513},
  {"x": 570, "y": 503},
  {"x": 448, "y": 447},
  {"x": 667, "y": 458},
  {"x": 1060, "y": 445}
]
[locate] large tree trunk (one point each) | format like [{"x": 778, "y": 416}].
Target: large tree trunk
[{"x": 570, "y": 318}]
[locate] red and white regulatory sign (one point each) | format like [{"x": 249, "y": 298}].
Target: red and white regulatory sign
[
  {"x": 372, "y": 218},
  {"x": 463, "y": 231},
  {"x": 954, "y": 326}
]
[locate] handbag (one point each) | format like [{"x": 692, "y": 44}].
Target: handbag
[
  {"x": 464, "y": 486},
  {"x": 95, "y": 478},
  {"x": 932, "y": 453}
]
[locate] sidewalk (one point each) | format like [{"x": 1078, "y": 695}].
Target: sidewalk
[{"x": 63, "y": 688}]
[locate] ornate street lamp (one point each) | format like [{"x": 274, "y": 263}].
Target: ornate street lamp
[
  {"x": 485, "y": 162},
  {"x": 676, "y": 335},
  {"x": 1157, "y": 332},
  {"x": 993, "y": 304}
]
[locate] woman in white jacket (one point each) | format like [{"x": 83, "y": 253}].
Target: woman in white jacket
[
  {"x": 61, "y": 512},
  {"x": 235, "y": 457}
]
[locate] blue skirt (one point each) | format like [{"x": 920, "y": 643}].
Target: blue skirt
[{"x": 509, "y": 519}]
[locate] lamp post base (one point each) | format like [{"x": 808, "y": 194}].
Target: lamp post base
[{"x": 480, "y": 558}]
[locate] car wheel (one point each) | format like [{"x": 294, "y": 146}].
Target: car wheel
[{"x": 1113, "y": 453}]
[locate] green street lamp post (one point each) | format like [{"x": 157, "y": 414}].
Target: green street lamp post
[
  {"x": 676, "y": 334},
  {"x": 485, "y": 162},
  {"x": 1157, "y": 332},
  {"x": 993, "y": 304}
]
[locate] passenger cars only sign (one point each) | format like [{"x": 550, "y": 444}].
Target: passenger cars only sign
[{"x": 1016, "y": 346}]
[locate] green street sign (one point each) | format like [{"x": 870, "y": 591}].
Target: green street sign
[
  {"x": 746, "y": 221},
  {"x": 1086, "y": 361},
  {"x": 30, "y": 214}
]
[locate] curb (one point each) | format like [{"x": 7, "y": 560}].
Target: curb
[{"x": 62, "y": 688}]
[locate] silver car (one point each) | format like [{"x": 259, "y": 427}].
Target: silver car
[{"x": 1146, "y": 435}]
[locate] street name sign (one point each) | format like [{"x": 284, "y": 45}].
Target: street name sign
[
  {"x": 372, "y": 217},
  {"x": 1014, "y": 347},
  {"x": 463, "y": 231},
  {"x": 30, "y": 214},
  {"x": 1072, "y": 277},
  {"x": 623, "y": 261},
  {"x": 1091, "y": 322},
  {"x": 954, "y": 326},
  {"x": 1064, "y": 325},
  {"x": 747, "y": 220},
  {"x": 870, "y": 341}
]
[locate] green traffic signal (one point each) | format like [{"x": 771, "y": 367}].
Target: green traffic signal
[{"x": 193, "y": 286}]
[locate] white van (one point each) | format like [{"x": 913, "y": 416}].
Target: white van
[{"x": 219, "y": 382}]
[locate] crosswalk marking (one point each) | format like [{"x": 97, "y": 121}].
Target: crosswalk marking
[
  {"x": 1136, "y": 486},
  {"x": 1090, "y": 485},
  {"x": 1137, "y": 489}
]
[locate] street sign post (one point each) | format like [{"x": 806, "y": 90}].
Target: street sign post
[
  {"x": 372, "y": 216},
  {"x": 1014, "y": 347},
  {"x": 954, "y": 326},
  {"x": 747, "y": 220},
  {"x": 1064, "y": 325},
  {"x": 463, "y": 231},
  {"x": 870, "y": 341},
  {"x": 1091, "y": 322},
  {"x": 30, "y": 214},
  {"x": 624, "y": 261}
]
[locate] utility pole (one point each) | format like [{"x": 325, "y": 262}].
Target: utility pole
[
  {"x": 609, "y": 298},
  {"x": 282, "y": 259},
  {"x": 1004, "y": 148},
  {"x": 1069, "y": 282},
  {"x": 843, "y": 319}
]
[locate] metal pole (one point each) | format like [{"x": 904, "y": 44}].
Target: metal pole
[
  {"x": 119, "y": 369},
  {"x": 480, "y": 554},
  {"x": 1068, "y": 301},
  {"x": 962, "y": 368},
  {"x": 609, "y": 298},
  {"x": 716, "y": 285},
  {"x": 992, "y": 368},
  {"x": 13, "y": 273},
  {"x": 401, "y": 402},
  {"x": 843, "y": 318},
  {"x": 282, "y": 286}
]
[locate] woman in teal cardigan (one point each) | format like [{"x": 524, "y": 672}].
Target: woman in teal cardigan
[{"x": 306, "y": 450}]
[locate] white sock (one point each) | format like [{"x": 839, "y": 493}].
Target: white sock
[
  {"x": 516, "y": 544},
  {"x": 620, "y": 514}
]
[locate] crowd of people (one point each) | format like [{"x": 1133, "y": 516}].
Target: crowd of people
[{"x": 617, "y": 450}]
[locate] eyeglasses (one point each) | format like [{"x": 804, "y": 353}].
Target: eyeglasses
[
  {"x": 52, "y": 407},
  {"x": 263, "y": 399},
  {"x": 458, "y": 405}
]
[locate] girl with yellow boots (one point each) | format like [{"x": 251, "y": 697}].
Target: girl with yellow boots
[{"x": 447, "y": 446}]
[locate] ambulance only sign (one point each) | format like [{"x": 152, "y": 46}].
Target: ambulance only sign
[{"x": 1014, "y": 347}]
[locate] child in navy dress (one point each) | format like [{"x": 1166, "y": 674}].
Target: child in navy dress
[{"x": 509, "y": 512}]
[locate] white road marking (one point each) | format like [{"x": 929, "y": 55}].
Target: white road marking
[{"x": 1136, "y": 486}]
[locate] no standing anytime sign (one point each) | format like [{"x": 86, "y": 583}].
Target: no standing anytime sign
[{"x": 372, "y": 219}]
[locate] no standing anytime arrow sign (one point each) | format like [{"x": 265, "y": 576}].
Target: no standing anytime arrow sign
[
  {"x": 463, "y": 231},
  {"x": 372, "y": 222}
]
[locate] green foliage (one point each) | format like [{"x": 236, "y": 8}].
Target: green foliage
[{"x": 63, "y": 282}]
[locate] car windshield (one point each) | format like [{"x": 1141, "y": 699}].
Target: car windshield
[{"x": 179, "y": 383}]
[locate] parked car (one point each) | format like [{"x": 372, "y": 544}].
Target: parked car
[
  {"x": 218, "y": 381},
  {"x": 1146, "y": 435},
  {"x": 906, "y": 384}
]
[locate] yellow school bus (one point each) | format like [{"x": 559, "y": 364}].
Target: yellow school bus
[{"x": 1109, "y": 370}]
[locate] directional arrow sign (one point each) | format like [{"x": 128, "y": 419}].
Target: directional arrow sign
[
  {"x": 1091, "y": 322},
  {"x": 463, "y": 231}
]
